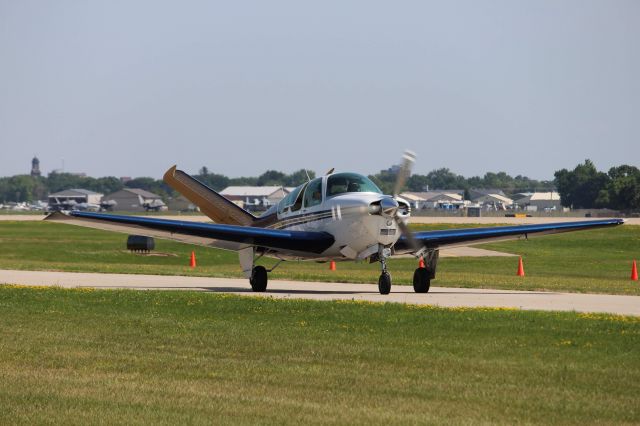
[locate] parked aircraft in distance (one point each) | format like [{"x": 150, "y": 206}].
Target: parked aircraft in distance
[{"x": 339, "y": 216}]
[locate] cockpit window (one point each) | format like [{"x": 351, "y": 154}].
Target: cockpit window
[
  {"x": 341, "y": 183},
  {"x": 313, "y": 194}
]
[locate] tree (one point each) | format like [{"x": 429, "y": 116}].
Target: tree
[
  {"x": 581, "y": 187},
  {"x": 107, "y": 185},
  {"x": 445, "y": 179},
  {"x": 20, "y": 188},
  {"x": 623, "y": 190},
  {"x": 418, "y": 183},
  {"x": 152, "y": 185},
  {"x": 271, "y": 177},
  {"x": 299, "y": 177}
]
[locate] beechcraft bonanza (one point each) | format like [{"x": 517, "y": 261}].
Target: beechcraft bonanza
[{"x": 339, "y": 216}]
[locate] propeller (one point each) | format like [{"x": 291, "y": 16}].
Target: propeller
[
  {"x": 404, "y": 172},
  {"x": 408, "y": 159}
]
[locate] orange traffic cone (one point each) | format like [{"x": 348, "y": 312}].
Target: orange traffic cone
[
  {"x": 192, "y": 261},
  {"x": 421, "y": 263},
  {"x": 520, "y": 272},
  {"x": 634, "y": 272},
  {"x": 332, "y": 265}
]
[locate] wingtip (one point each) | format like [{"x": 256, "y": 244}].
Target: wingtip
[
  {"x": 56, "y": 216},
  {"x": 170, "y": 173}
]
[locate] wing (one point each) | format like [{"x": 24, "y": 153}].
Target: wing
[
  {"x": 230, "y": 237},
  {"x": 214, "y": 205},
  {"x": 466, "y": 237}
]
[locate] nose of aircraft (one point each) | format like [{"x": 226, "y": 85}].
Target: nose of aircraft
[
  {"x": 386, "y": 206},
  {"x": 389, "y": 207}
]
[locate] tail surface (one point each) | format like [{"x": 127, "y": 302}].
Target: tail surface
[{"x": 214, "y": 205}]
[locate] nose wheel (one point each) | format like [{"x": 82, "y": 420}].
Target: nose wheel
[{"x": 384, "y": 282}]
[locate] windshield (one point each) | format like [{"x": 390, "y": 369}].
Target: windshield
[
  {"x": 341, "y": 183},
  {"x": 291, "y": 199}
]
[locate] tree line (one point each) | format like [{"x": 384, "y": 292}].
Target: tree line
[
  {"x": 587, "y": 188},
  {"x": 583, "y": 187},
  {"x": 21, "y": 188}
]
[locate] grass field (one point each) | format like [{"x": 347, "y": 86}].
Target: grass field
[
  {"x": 590, "y": 261},
  {"x": 81, "y": 356}
]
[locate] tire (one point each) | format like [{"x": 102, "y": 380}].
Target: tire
[
  {"x": 421, "y": 281},
  {"x": 258, "y": 279},
  {"x": 384, "y": 283}
]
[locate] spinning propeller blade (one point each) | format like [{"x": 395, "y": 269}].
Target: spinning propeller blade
[{"x": 408, "y": 159}]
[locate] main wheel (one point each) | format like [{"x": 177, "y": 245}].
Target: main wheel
[
  {"x": 258, "y": 279},
  {"x": 421, "y": 281},
  {"x": 384, "y": 283}
]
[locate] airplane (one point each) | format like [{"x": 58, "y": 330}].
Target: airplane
[{"x": 340, "y": 216}]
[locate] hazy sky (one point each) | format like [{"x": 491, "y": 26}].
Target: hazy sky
[{"x": 128, "y": 88}]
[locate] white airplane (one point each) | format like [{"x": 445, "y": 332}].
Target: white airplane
[{"x": 339, "y": 216}]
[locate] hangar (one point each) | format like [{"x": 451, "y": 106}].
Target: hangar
[
  {"x": 493, "y": 201},
  {"x": 134, "y": 200},
  {"x": 257, "y": 196},
  {"x": 71, "y": 197},
  {"x": 446, "y": 199},
  {"x": 534, "y": 201}
]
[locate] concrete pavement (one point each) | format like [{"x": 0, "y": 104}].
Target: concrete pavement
[{"x": 439, "y": 296}]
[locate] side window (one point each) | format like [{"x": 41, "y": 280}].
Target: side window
[
  {"x": 313, "y": 194},
  {"x": 298, "y": 203}
]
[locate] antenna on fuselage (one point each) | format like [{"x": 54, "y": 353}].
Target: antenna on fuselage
[{"x": 330, "y": 171}]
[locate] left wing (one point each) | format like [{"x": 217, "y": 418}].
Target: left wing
[
  {"x": 230, "y": 237},
  {"x": 466, "y": 237}
]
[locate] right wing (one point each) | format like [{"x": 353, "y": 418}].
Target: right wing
[
  {"x": 471, "y": 236},
  {"x": 230, "y": 237}
]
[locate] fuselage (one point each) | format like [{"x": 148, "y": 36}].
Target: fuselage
[{"x": 348, "y": 206}]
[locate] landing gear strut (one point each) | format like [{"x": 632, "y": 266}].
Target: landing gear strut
[{"x": 384, "y": 282}]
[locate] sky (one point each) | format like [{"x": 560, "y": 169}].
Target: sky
[{"x": 129, "y": 88}]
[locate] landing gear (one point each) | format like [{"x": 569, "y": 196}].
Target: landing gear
[
  {"x": 258, "y": 279},
  {"x": 384, "y": 282},
  {"x": 422, "y": 276},
  {"x": 421, "y": 280}
]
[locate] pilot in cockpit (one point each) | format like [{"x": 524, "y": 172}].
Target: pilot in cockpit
[{"x": 353, "y": 187}]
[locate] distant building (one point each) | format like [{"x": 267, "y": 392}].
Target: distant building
[
  {"x": 477, "y": 193},
  {"x": 70, "y": 198},
  {"x": 35, "y": 167},
  {"x": 181, "y": 204},
  {"x": 493, "y": 201},
  {"x": 445, "y": 199},
  {"x": 539, "y": 201},
  {"x": 133, "y": 200},
  {"x": 256, "y": 196}
]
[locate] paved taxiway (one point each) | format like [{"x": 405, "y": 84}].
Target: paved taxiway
[{"x": 446, "y": 297}]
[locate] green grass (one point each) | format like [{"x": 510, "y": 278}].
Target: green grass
[
  {"x": 81, "y": 356},
  {"x": 596, "y": 261}
]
